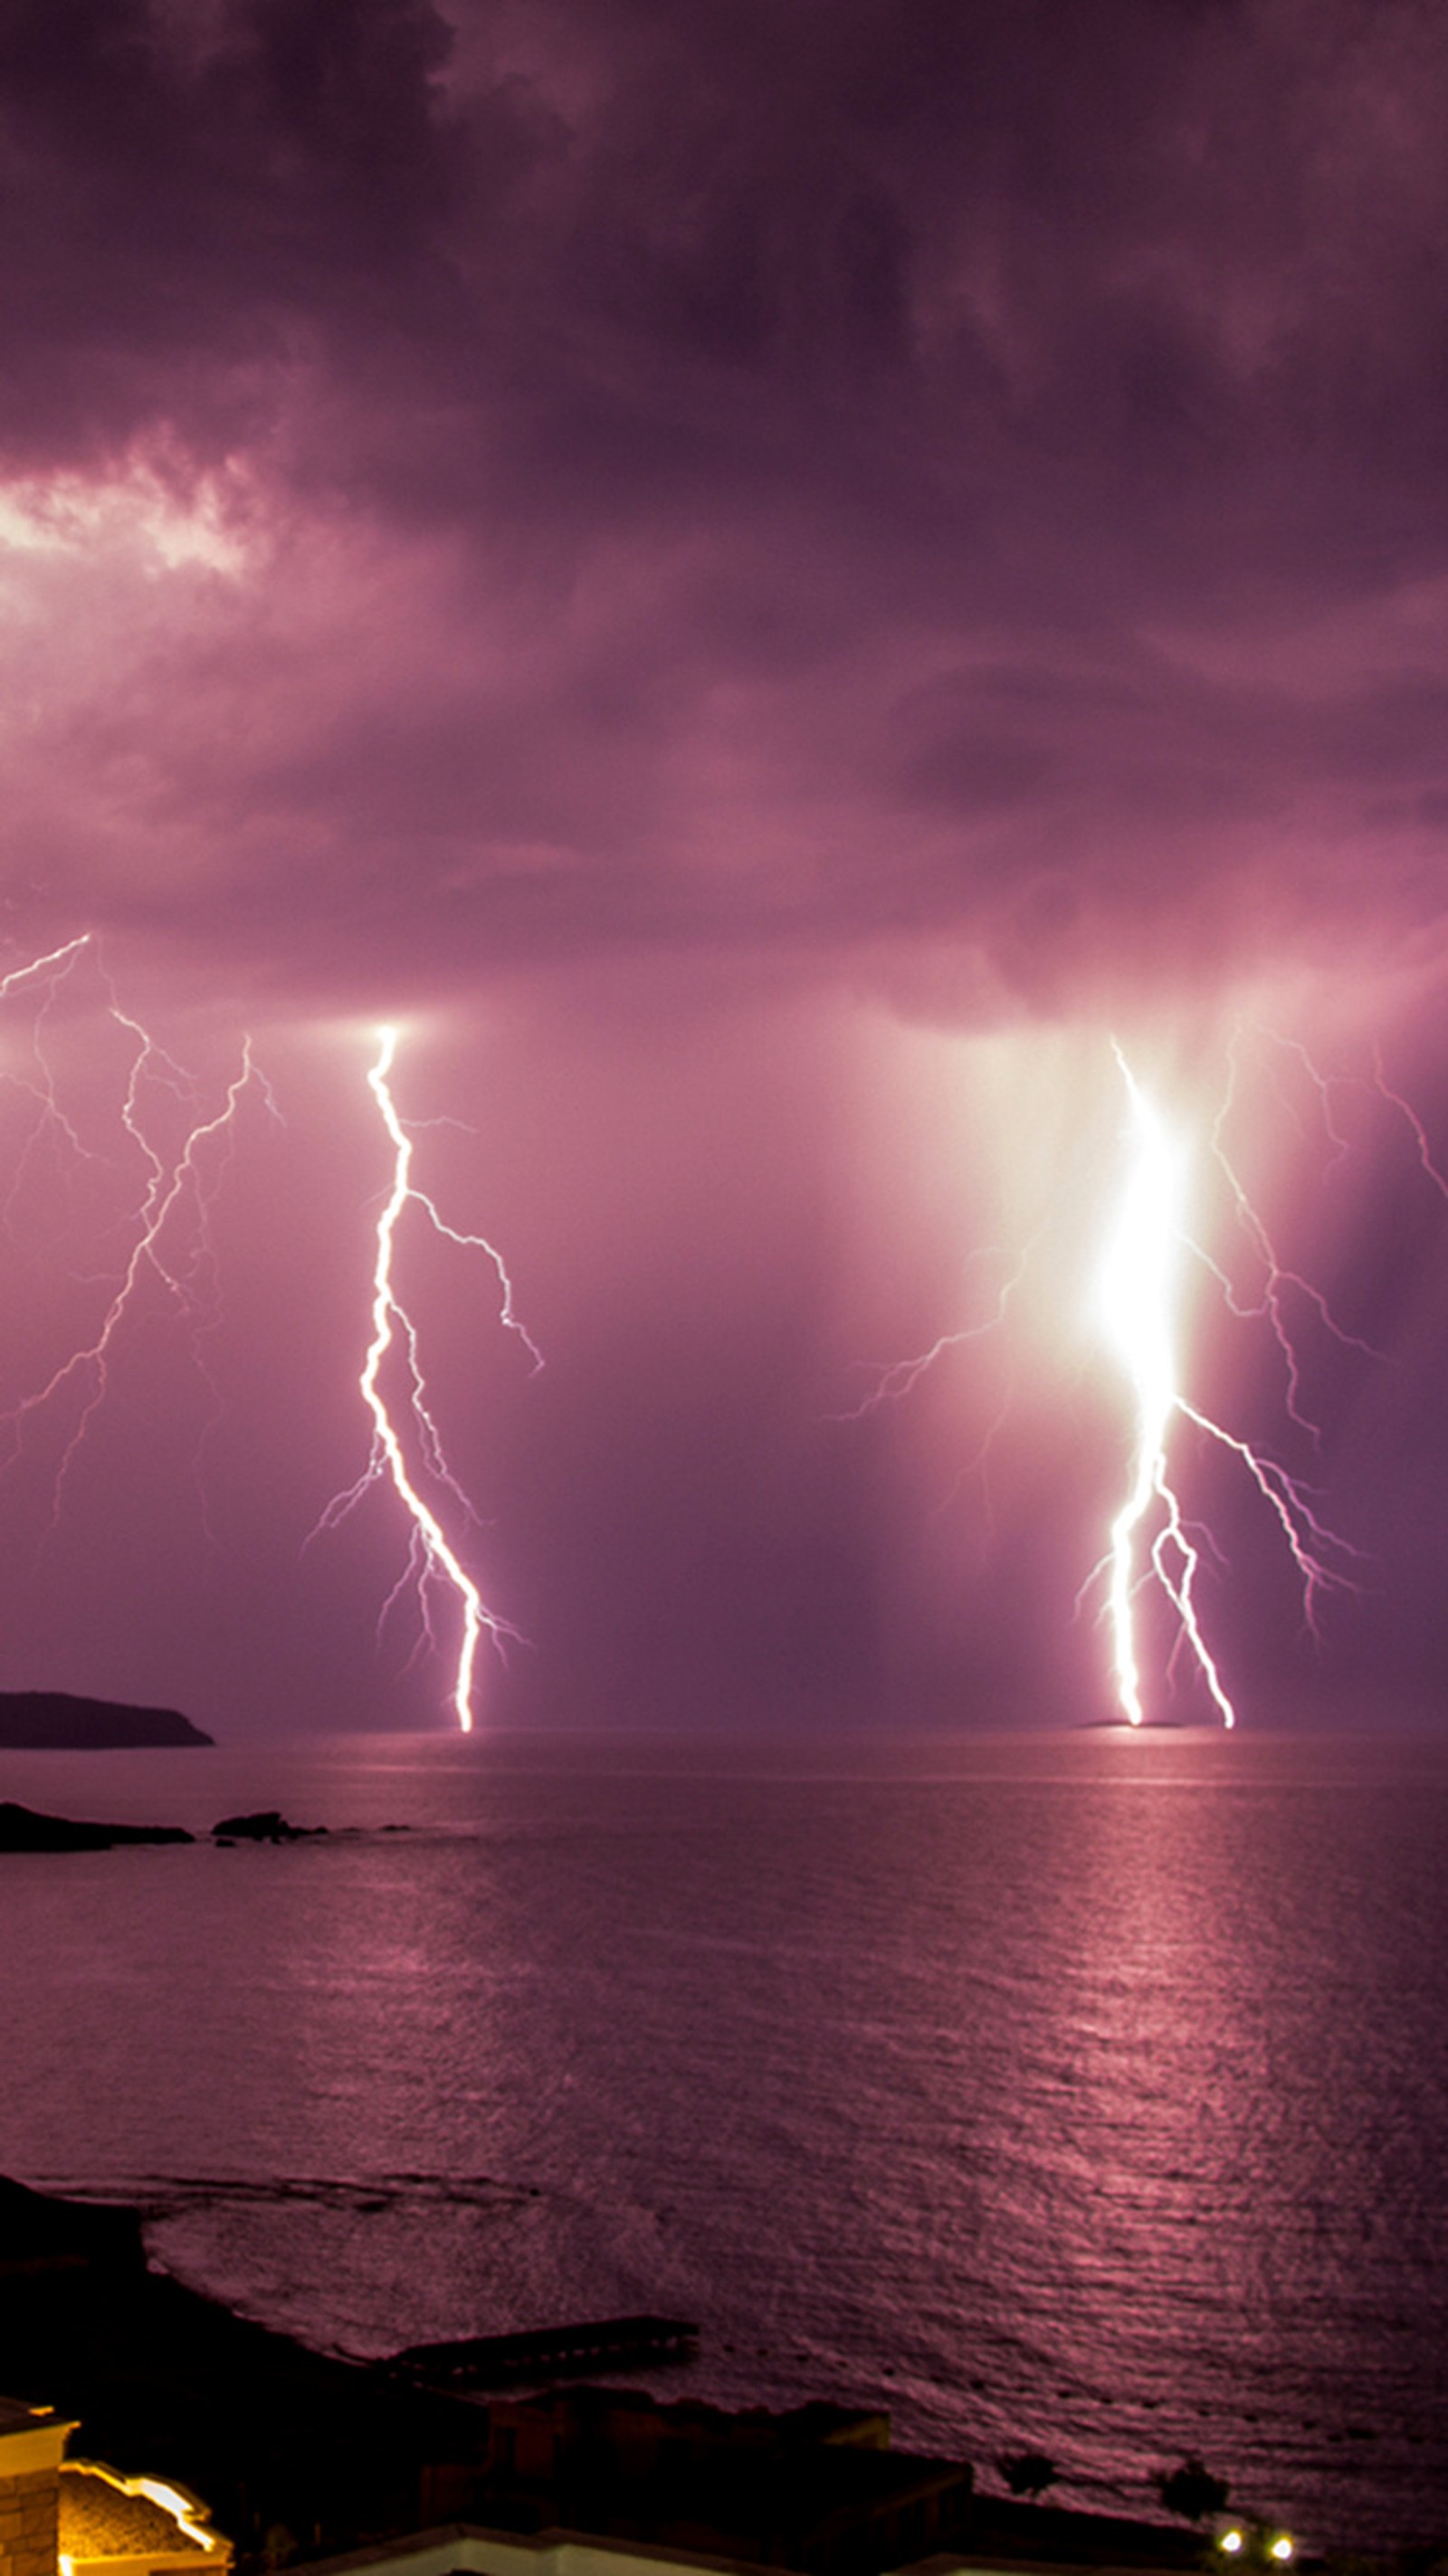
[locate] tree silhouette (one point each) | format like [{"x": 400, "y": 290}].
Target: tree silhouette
[
  {"x": 1192, "y": 2491},
  {"x": 1027, "y": 2473}
]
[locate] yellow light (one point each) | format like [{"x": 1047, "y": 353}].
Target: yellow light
[
  {"x": 1281, "y": 2548},
  {"x": 1232, "y": 2542},
  {"x": 181, "y": 2508}
]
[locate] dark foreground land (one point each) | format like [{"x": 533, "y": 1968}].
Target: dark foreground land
[
  {"x": 166, "y": 2382},
  {"x": 300, "y": 2453},
  {"x": 54, "y": 1721}
]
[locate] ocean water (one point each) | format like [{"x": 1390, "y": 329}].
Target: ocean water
[{"x": 1081, "y": 2090}]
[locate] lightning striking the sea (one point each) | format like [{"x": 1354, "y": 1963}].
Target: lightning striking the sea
[
  {"x": 1137, "y": 1291},
  {"x": 433, "y": 1560},
  {"x": 1138, "y": 1296},
  {"x": 1139, "y": 1305}
]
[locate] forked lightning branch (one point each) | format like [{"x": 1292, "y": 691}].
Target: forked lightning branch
[
  {"x": 1139, "y": 1301},
  {"x": 1152, "y": 1543},
  {"x": 434, "y": 1563}
]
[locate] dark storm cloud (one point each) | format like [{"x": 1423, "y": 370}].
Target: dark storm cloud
[{"x": 799, "y": 475}]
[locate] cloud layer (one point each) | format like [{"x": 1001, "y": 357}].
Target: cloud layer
[{"x": 814, "y": 481}]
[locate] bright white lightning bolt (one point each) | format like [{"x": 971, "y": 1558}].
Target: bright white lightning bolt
[
  {"x": 432, "y": 1559},
  {"x": 1138, "y": 1287},
  {"x": 36, "y": 966},
  {"x": 1138, "y": 1296}
]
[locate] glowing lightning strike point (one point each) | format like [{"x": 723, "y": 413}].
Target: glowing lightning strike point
[
  {"x": 434, "y": 1556},
  {"x": 1137, "y": 1288}
]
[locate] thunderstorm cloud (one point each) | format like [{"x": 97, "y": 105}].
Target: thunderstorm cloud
[
  {"x": 811, "y": 479},
  {"x": 763, "y": 576}
]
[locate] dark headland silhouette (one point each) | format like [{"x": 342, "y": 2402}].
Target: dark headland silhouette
[
  {"x": 23, "y": 1830},
  {"x": 54, "y": 1721}
]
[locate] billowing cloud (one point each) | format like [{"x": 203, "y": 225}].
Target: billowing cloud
[{"x": 686, "y": 475}]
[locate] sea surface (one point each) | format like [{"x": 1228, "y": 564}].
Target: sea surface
[{"x": 1080, "y": 2090}]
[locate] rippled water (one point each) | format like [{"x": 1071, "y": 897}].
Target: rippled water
[{"x": 1081, "y": 2090}]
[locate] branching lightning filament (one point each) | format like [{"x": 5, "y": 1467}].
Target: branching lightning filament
[
  {"x": 433, "y": 1559},
  {"x": 171, "y": 1244},
  {"x": 1138, "y": 1299},
  {"x": 1137, "y": 1288}
]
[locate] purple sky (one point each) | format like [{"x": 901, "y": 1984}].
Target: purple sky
[{"x": 761, "y": 579}]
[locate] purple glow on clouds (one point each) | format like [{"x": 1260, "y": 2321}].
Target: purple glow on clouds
[{"x": 759, "y": 579}]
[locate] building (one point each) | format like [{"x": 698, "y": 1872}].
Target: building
[
  {"x": 62, "y": 2517},
  {"x": 818, "y": 2488},
  {"x": 466, "y": 2550}
]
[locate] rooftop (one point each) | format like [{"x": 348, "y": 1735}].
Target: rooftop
[
  {"x": 103, "y": 2515},
  {"x": 15, "y": 2418}
]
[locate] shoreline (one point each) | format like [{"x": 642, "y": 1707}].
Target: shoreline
[
  {"x": 165, "y": 2380},
  {"x": 338, "y": 2455}
]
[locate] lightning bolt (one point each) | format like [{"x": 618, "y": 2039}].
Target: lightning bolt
[
  {"x": 1137, "y": 1293},
  {"x": 1324, "y": 1085},
  {"x": 432, "y": 1558},
  {"x": 895, "y": 1379},
  {"x": 1277, "y": 1281},
  {"x": 50, "y": 1116},
  {"x": 1419, "y": 1132},
  {"x": 55, "y": 958},
  {"x": 172, "y": 1243}
]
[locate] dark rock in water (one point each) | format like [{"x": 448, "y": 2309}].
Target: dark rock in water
[
  {"x": 54, "y": 1721},
  {"x": 22, "y": 1830},
  {"x": 266, "y": 1826},
  {"x": 1149, "y": 1726}
]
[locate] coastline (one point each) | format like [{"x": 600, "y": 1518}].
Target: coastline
[
  {"x": 163, "y": 2379},
  {"x": 336, "y": 2455}
]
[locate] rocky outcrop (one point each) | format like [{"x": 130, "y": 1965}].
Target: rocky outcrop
[
  {"x": 23, "y": 1830},
  {"x": 266, "y": 1826}
]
